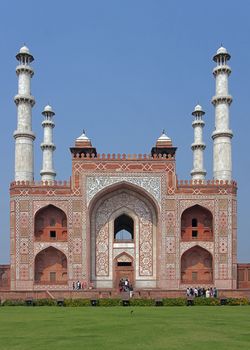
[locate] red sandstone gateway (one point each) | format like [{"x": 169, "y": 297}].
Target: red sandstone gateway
[{"x": 122, "y": 217}]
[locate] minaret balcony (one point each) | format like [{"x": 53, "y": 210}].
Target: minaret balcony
[
  {"x": 24, "y": 98},
  {"x": 198, "y": 174},
  {"x": 199, "y": 145},
  {"x": 198, "y": 122},
  {"x": 22, "y": 68},
  {"x": 222, "y": 99},
  {"x": 20, "y": 133},
  {"x": 222, "y": 133},
  {"x": 49, "y": 123},
  {"x": 222, "y": 69},
  {"x": 48, "y": 146}
]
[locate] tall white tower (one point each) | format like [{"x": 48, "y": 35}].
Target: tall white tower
[
  {"x": 24, "y": 137},
  {"x": 222, "y": 135},
  {"x": 48, "y": 173},
  {"x": 198, "y": 172}
]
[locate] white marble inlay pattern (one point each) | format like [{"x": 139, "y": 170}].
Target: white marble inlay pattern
[{"x": 151, "y": 184}]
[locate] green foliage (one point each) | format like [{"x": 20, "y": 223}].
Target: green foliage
[
  {"x": 14, "y": 302},
  {"x": 132, "y": 302},
  {"x": 110, "y": 302},
  {"x": 77, "y": 302},
  {"x": 237, "y": 301},
  {"x": 206, "y": 301},
  {"x": 174, "y": 301},
  {"x": 142, "y": 302},
  {"x": 44, "y": 302}
]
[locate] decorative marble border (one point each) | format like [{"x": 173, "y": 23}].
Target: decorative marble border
[{"x": 151, "y": 184}]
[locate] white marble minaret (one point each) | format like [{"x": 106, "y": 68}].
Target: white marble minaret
[
  {"x": 222, "y": 135},
  {"x": 48, "y": 173},
  {"x": 198, "y": 172},
  {"x": 24, "y": 137}
]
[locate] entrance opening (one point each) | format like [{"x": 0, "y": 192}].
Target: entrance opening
[
  {"x": 123, "y": 228},
  {"x": 123, "y": 270}
]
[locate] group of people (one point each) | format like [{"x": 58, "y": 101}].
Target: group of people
[
  {"x": 202, "y": 292},
  {"x": 78, "y": 285},
  {"x": 125, "y": 285}
]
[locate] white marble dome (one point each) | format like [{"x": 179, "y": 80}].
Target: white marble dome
[
  {"x": 163, "y": 137},
  {"x": 221, "y": 50},
  {"x": 198, "y": 108},
  {"x": 83, "y": 137},
  {"x": 48, "y": 108},
  {"x": 24, "y": 49}
]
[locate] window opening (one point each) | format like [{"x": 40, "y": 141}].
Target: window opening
[
  {"x": 52, "y": 222},
  {"x": 123, "y": 228},
  {"x": 194, "y": 222},
  {"x": 194, "y": 276},
  {"x": 124, "y": 263},
  {"x": 52, "y": 234},
  {"x": 194, "y": 234},
  {"x": 52, "y": 276}
]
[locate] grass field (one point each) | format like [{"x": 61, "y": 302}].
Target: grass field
[{"x": 116, "y": 328}]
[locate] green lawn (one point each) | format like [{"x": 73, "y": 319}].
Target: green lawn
[{"x": 153, "y": 328}]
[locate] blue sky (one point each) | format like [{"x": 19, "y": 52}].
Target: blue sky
[{"x": 124, "y": 70}]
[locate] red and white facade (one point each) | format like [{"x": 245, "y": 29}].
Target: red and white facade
[{"x": 179, "y": 233}]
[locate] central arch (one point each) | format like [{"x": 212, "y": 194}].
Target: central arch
[{"x": 123, "y": 208}]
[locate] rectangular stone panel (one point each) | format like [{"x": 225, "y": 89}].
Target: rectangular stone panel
[
  {"x": 12, "y": 246},
  {"x": 170, "y": 204},
  {"x": 76, "y": 206},
  {"x": 24, "y": 205},
  {"x": 24, "y": 258},
  {"x": 12, "y": 206},
  {"x": 24, "y": 232},
  {"x": 12, "y": 220},
  {"x": 76, "y": 232},
  {"x": 170, "y": 258},
  {"x": 222, "y": 204},
  {"x": 223, "y": 258},
  {"x": 76, "y": 258}
]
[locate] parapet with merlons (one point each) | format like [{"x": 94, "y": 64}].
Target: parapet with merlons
[
  {"x": 206, "y": 186},
  {"x": 123, "y": 156},
  {"x": 40, "y": 188}
]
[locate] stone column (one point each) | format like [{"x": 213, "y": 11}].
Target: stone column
[
  {"x": 48, "y": 173},
  {"x": 222, "y": 135},
  {"x": 198, "y": 172},
  {"x": 24, "y": 137}
]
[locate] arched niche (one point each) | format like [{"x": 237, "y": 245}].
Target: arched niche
[
  {"x": 197, "y": 266},
  {"x": 51, "y": 267},
  {"x": 197, "y": 224},
  {"x": 50, "y": 224}
]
